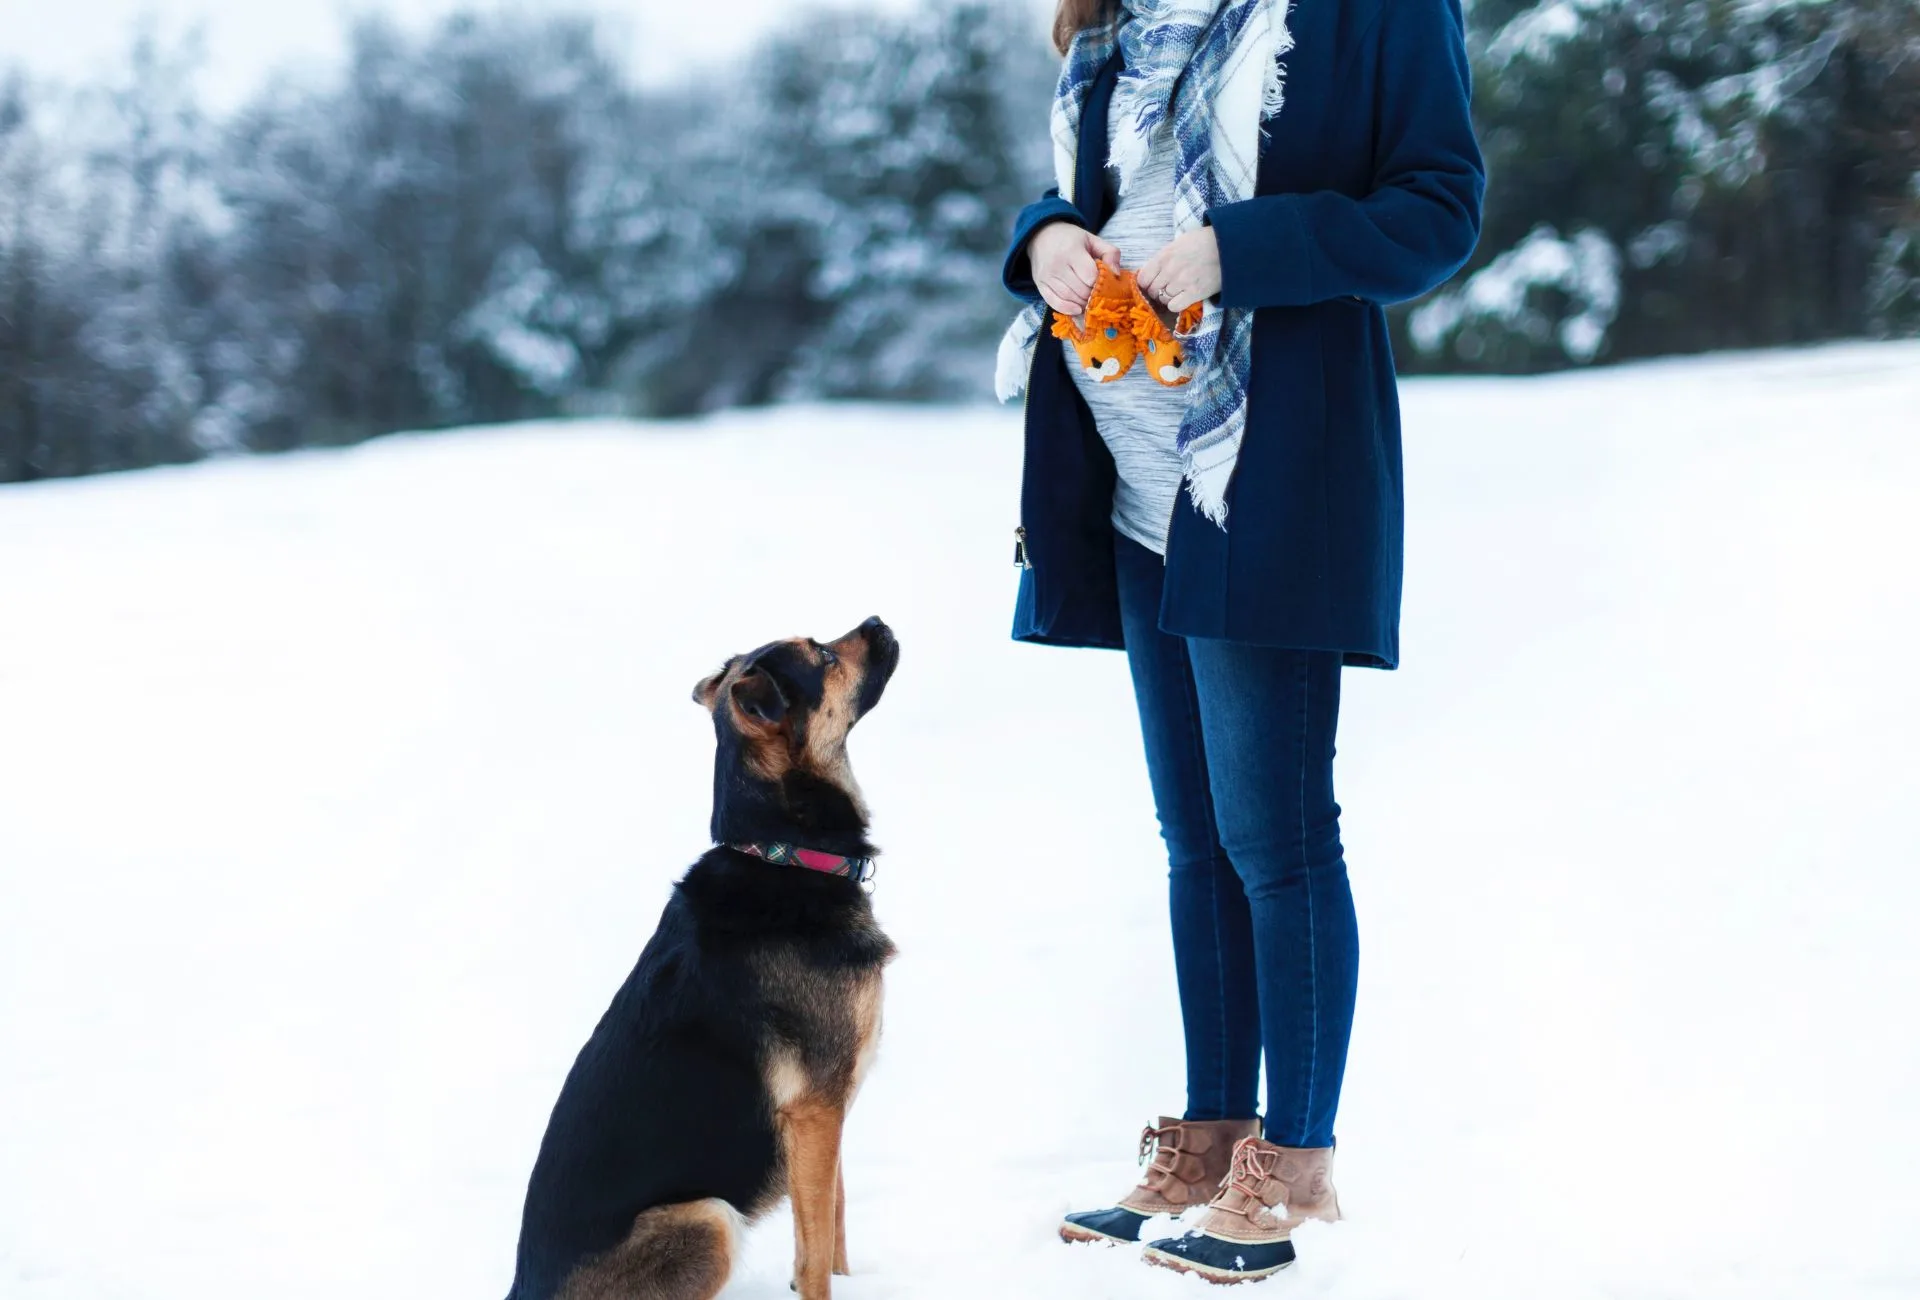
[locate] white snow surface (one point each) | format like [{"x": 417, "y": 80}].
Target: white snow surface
[{"x": 339, "y": 791}]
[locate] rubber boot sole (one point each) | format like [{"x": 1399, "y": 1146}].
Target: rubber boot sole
[
  {"x": 1091, "y": 1226},
  {"x": 1207, "y": 1272},
  {"x": 1075, "y": 1234}
]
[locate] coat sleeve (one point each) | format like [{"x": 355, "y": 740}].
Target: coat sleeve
[
  {"x": 1421, "y": 221},
  {"x": 1017, "y": 274}
]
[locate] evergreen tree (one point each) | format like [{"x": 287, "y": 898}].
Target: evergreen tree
[
  {"x": 1678, "y": 175},
  {"x": 867, "y": 176},
  {"x": 906, "y": 133},
  {"x": 99, "y": 195}
]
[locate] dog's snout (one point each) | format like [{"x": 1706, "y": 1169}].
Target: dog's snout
[
  {"x": 883, "y": 646},
  {"x": 883, "y": 656}
]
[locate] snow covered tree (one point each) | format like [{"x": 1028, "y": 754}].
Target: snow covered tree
[
  {"x": 384, "y": 227},
  {"x": 146, "y": 152},
  {"x": 904, "y": 131},
  {"x": 852, "y": 208},
  {"x": 38, "y": 319},
  {"x": 1746, "y": 170},
  {"x": 99, "y": 201},
  {"x": 622, "y": 318}
]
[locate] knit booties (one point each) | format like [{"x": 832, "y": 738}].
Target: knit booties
[
  {"x": 1159, "y": 344},
  {"x": 1185, "y": 1160},
  {"x": 1246, "y": 1233},
  {"x": 1104, "y": 337}
]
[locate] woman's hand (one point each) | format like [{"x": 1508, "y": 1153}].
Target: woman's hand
[
  {"x": 1184, "y": 272},
  {"x": 1064, "y": 256}
]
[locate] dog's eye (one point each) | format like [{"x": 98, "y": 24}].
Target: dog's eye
[{"x": 829, "y": 657}]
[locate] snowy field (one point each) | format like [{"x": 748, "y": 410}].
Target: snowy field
[{"x": 339, "y": 791}]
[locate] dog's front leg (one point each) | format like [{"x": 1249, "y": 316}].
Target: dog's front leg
[
  {"x": 812, "y": 1134},
  {"x": 840, "y": 1264}
]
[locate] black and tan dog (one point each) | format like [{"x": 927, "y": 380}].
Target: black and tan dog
[{"x": 719, "y": 1079}]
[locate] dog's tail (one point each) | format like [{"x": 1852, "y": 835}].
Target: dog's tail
[{"x": 675, "y": 1252}]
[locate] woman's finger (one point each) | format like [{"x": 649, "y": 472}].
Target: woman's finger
[
  {"x": 1101, "y": 249},
  {"x": 1172, "y": 283},
  {"x": 1150, "y": 276},
  {"x": 1063, "y": 298}
]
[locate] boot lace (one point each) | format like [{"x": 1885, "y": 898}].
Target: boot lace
[
  {"x": 1160, "y": 1174},
  {"x": 1153, "y": 1139},
  {"x": 1251, "y": 1167}
]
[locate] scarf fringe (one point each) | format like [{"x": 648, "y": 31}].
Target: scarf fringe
[
  {"x": 1273, "y": 90},
  {"x": 1014, "y": 361},
  {"x": 1128, "y": 151},
  {"x": 1273, "y": 94},
  {"x": 1207, "y": 484}
]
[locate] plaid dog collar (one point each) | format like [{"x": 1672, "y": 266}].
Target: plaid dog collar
[{"x": 858, "y": 870}]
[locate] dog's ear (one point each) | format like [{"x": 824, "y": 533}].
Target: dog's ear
[
  {"x": 759, "y": 696},
  {"x": 707, "y": 687}
]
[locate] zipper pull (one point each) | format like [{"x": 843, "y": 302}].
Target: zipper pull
[{"x": 1020, "y": 560}]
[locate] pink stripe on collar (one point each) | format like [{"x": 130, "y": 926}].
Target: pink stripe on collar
[{"x": 789, "y": 855}]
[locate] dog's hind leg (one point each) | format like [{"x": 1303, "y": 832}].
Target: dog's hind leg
[
  {"x": 811, "y": 1133},
  {"x": 675, "y": 1252}
]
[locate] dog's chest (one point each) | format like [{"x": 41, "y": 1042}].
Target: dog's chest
[
  {"x": 824, "y": 1031},
  {"x": 867, "y": 1018}
]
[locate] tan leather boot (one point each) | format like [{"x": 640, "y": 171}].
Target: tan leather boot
[
  {"x": 1247, "y": 1230},
  {"x": 1185, "y": 1160}
]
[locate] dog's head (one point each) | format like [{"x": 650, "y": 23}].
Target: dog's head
[{"x": 781, "y": 714}]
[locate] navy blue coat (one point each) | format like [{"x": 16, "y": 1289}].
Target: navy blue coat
[{"x": 1369, "y": 193}]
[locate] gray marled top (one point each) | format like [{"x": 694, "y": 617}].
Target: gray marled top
[{"x": 1139, "y": 419}]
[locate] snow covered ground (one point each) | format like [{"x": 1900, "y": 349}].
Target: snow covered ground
[{"x": 338, "y": 792}]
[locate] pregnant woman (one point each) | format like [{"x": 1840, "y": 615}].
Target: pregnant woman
[{"x": 1221, "y": 498}]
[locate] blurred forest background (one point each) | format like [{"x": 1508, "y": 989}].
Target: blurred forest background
[{"x": 491, "y": 221}]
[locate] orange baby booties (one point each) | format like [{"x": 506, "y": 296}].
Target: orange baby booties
[
  {"x": 1165, "y": 354},
  {"x": 1104, "y": 337},
  {"x": 1120, "y": 325}
]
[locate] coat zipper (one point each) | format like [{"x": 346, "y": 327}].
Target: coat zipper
[{"x": 1020, "y": 558}]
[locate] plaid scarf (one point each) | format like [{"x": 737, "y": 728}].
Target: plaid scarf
[{"x": 1213, "y": 68}]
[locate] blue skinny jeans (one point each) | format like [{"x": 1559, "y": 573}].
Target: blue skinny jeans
[{"x": 1266, "y": 950}]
